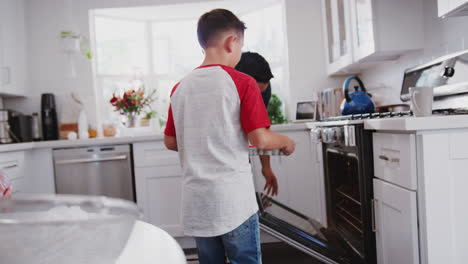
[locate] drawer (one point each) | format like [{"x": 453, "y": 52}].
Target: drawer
[
  {"x": 395, "y": 159},
  {"x": 149, "y": 154},
  {"x": 18, "y": 185},
  {"x": 12, "y": 164}
]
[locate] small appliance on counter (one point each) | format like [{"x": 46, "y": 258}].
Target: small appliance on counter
[
  {"x": 35, "y": 128},
  {"x": 20, "y": 126},
  {"x": 49, "y": 117},
  {"x": 5, "y": 137}
]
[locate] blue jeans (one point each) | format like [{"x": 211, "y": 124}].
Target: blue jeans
[{"x": 241, "y": 245}]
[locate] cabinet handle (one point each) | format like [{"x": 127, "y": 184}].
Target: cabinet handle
[
  {"x": 9, "y": 166},
  {"x": 373, "y": 211},
  {"x": 383, "y": 157}
]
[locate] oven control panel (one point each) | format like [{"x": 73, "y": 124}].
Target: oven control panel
[{"x": 342, "y": 135}]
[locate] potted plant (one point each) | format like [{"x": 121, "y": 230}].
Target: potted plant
[
  {"x": 274, "y": 111},
  {"x": 73, "y": 43},
  {"x": 145, "y": 120},
  {"x": 131, "y": 104}
]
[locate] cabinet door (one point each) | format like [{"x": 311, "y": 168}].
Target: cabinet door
[
  {"x": 454, "y": 4},
  {"x": 396, "y": 225},
  {"x": 159, "y": 195},
  {"x": 276, "y": 166},
  {"x": 13, "y": 47},
  {"x": 362, "y": 27},
  {"x": 337, "y": 35},
  {"x": 443, "y": 7}
]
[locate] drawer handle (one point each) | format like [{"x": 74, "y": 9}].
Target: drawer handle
[
  {"x": 395, "y": 160},
  {"x": 10, "y": 166},
  {"x": 383, "y": 157}
]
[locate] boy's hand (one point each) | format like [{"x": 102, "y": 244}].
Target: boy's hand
[
  {"x": 271, "y": 183},
  {"x": 290, "y": 147}
]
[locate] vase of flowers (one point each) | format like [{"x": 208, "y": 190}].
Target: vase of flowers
[{"x": 131, "y": 104}]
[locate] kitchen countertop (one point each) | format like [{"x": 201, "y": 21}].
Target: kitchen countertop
[
  {"x": 418, "y": 123},
  {"x": 55, "y": 144},
  {"x": 290, "y": 127}
]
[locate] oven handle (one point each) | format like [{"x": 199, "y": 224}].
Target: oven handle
[
  {"x": 373, "y": 211},
  {"x": 342, "y": 153}
]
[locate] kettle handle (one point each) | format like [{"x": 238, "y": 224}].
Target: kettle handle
[{"x": 346, "y": 86}]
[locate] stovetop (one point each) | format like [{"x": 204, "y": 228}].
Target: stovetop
[
  {"x": 447, "y": 111},
  {"x": 368, "y": 116}
]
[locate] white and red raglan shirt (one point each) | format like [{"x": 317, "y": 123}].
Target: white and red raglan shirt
[{"x": 212, "y": 110}]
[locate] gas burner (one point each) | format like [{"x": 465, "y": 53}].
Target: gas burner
[{"x": 451, "y": 111}]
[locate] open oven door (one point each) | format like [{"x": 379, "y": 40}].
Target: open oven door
[{"x": 303, "y": 233}]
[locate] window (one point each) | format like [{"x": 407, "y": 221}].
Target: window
[{"x": 154, "y": 47}]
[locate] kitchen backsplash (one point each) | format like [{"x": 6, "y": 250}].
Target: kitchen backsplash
[{"x": 442, "y": 36}]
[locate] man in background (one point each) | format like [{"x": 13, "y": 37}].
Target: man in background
[{"x": 255, "y": 65}]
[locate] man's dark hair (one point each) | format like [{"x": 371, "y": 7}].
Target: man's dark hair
[
  {"x": 255, "y": 65},
  {"x": 217, "y": 21}
]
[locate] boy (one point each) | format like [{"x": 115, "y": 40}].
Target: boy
[
  {"x": 255, "y": 65},
  {"x": 215, "y": 110}
]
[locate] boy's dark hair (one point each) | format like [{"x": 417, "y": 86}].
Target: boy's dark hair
[
  {"x": 255, "y": 65},
  {"x": 217, "y": 21}
]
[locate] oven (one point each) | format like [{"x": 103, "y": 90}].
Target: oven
[
  {"x": 348, "y": 166},
  {"x": 348, "y": 237}
]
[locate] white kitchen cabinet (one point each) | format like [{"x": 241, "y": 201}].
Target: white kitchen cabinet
[
  {"x": 396, "y": 224},
  {"x": 12, "y": 165},
  {"x": 373, "y": 30},
  {"x": 300, "y": 176},
  {"x": 384, "y": 30},
  {"x": 337, "y": 35},
  {"x": 12, "y": 48},
  {"x": 39, "y": 172},
  {"x": 444, "y": 155},
  {"x": 30, "y": 171},
  {"x": 447, "y": 8},
  {"x": 158, "y": 183},
  {"x": 395, "y": 159}
]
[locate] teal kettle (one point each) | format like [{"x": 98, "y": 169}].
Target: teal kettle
[{"x": 358, "y": 101}]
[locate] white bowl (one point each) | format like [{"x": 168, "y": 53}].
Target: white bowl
[{"x": 58, "y": 229}]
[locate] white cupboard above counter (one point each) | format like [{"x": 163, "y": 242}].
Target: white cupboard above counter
[
  {"x": 358, "y": 32},
  {"x": 12, "y": 48},
  {"x": 452, "y": 8}
]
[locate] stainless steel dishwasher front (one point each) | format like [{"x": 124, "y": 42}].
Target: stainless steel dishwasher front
[{"x": 101, "y": 170}]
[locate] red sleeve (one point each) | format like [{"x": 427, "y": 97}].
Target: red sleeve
[
  {"x": 253, "y": 113},
  {"x": 170, "y": 127}
]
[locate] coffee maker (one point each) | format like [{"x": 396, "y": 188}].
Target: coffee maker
[{"x": 49, "y": 117}]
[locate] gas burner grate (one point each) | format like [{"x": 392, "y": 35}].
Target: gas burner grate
[
  {"x": 370, "y": 116},
  {"x": 451, "y": 111}
]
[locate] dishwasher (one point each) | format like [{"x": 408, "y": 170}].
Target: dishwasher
[{"x": 100, "y": 170}]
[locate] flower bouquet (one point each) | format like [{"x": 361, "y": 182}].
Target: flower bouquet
[{"x": 132, "y": 103}]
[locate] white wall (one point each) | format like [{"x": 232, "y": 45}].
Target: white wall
[
  {"x": 306, "y": 51},
  {"x": 47, "y": 63},
  {"x": 442, "y": 36}
]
